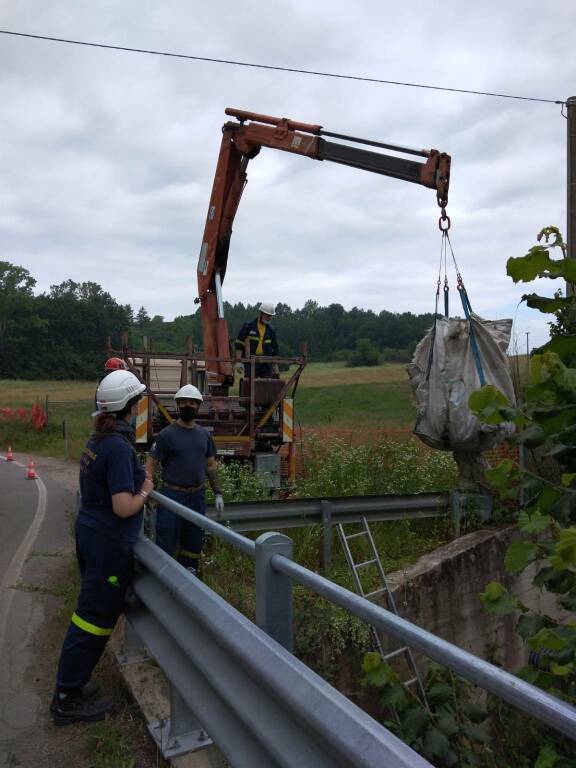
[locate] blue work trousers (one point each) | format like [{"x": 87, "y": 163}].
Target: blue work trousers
[
  {"x": 106, "y": 568},
  {"x": 263, "y": 371},
  {"x": 176, "y": 536}
]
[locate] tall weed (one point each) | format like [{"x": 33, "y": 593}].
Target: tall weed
[
  {"x": 324, "y": 635},
  {"x": 341, "y": 469}
]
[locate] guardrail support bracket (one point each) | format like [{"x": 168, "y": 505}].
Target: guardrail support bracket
[{"x": 181, "y": 732}]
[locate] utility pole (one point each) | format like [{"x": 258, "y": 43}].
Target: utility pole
[
  {"x": 571, "y": 179},
  {"x": 527, "y": 344}
]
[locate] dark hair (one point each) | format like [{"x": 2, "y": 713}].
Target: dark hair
[{"x": 105, "y": 423}]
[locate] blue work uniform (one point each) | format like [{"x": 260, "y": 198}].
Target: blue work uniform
[
  {"x": 259, "y": 343},
  {"x": 104, "y": 544},
  {"x": 183, "y": 453}
]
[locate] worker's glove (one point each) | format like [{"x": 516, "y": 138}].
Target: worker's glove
[
  {"x": 239, "y": 369},
  {"x": 219, "y": 504}
]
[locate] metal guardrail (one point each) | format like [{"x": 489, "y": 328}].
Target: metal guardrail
[
  {"x": 327, "y": 512},
  {"x": 260, "y": 705},
  {"x": 296, "y": 513},
  {"x": 258, "y": 702}
]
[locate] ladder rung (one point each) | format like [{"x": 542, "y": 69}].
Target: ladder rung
[
  {"x": 376, "y": 592},
  {"x": 365, "y": 563},
  {"x": 397, "y": 652},
  {"x": 354, "y": 535},
  {"x": 411, "y": 681}
]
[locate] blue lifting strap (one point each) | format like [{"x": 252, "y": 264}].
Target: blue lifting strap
[{"x": 473, "y": 343}]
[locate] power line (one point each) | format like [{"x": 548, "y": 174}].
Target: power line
[{"x": 276, "y": 68}]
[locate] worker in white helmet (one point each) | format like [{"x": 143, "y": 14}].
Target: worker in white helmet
[
  {"x": 113, "y": 491},
  {"x": 186, "y": 452},
  {"x": 258, "y": 338}
]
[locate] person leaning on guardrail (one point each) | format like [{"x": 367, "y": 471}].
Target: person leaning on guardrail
[
  {"x": 113, "y": 491},
  {"x": 187, "y": 454}
]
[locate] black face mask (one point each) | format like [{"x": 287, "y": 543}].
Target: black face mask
[{"x": 187, "y": 413}]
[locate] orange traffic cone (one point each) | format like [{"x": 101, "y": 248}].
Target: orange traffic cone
[
  {"x": 31, "y": 473},
  {"x": 9, "y": 454}
]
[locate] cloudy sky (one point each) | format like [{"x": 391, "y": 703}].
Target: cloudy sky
[{"x": 107, "y": 158}]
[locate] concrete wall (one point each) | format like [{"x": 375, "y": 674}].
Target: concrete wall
[{"x": 440, "y": 593}]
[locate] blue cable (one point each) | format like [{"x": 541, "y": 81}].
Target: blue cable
[{"x": 473, "y": 343}]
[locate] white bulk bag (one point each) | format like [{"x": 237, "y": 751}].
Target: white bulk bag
[{"x": 444, "y": 419}]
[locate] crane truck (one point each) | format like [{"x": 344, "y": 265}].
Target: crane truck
[{"x": 256, "y": 423}]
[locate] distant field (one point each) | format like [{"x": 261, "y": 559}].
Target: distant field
[
  {"x": 23, "y": 393},
  {"x": 329, "y": 395},
  {"x": 336, "y": 374},
  {"x": 352, "y": 405},
  {"x": 68, "y": 401}
]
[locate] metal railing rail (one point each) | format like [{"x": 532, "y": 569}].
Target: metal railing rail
[
  {"x": 296, "y": 513},
  {"x": 534, "y": 701},
  {"x": 260, "y": 705},
  {"x": 275, "y": 573}
]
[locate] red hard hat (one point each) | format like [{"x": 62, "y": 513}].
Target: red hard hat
[{"x": 115, "y": 364}]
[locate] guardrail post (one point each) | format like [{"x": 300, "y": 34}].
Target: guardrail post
[
  {"x": 455, "y": 511},
  {"x": 326, "y": 514},
  {"x": 464, "y": 503},
  {"x": 133, "y": 650},
  {"x": 273, "y": 589}
]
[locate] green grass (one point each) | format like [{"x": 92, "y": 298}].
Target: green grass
[
  {"x": 108, "y": 746},
  {"x": 334, "y": 374},
  {"x": 15, "y": 392},
  {"x": 351, "y": 405}
]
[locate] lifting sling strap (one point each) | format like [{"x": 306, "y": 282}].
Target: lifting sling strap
[{"x": 465, "y": 304}]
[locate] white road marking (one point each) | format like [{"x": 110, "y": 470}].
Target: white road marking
[{"x": 17, "y": 563}]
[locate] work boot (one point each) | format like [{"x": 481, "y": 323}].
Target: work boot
[
  {"x": 67, "y": 708},
  {"x": 90, "y": 690}
]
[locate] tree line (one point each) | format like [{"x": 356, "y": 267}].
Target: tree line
[{"x": 62, "y": 333}]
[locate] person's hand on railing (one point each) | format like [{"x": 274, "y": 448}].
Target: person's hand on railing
[{"x": 146, "y": 488}]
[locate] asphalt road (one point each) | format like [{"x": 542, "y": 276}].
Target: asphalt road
[{"x": 35, "y": 548}]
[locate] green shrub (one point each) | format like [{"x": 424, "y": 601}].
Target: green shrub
[{"x": 365, "y": 353}]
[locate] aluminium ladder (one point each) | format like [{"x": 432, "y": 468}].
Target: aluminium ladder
[{"x": 374, "y": 561}]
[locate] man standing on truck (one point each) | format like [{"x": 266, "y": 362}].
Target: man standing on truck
[
  {"x": 256, "y": 338},
  {"x": 187, "y": 455}
]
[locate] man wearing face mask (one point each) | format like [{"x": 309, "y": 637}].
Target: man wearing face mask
[
  {"x": 187, "y": 455},
  {"x": 258, "y": 338}
]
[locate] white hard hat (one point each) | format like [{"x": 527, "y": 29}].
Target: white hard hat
[
  {"x": 116, "y": 390},
  {"x": 188, "y": 392},
  {"x": 267, "y": 308}
]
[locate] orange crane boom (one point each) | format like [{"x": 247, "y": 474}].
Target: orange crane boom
[{"x": 241, "y": 142}]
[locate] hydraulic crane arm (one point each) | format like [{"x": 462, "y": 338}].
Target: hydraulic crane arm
[{"x": 241, "y": 142}]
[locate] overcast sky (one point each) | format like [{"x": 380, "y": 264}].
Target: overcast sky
[{"x": 107, "y": 158}]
